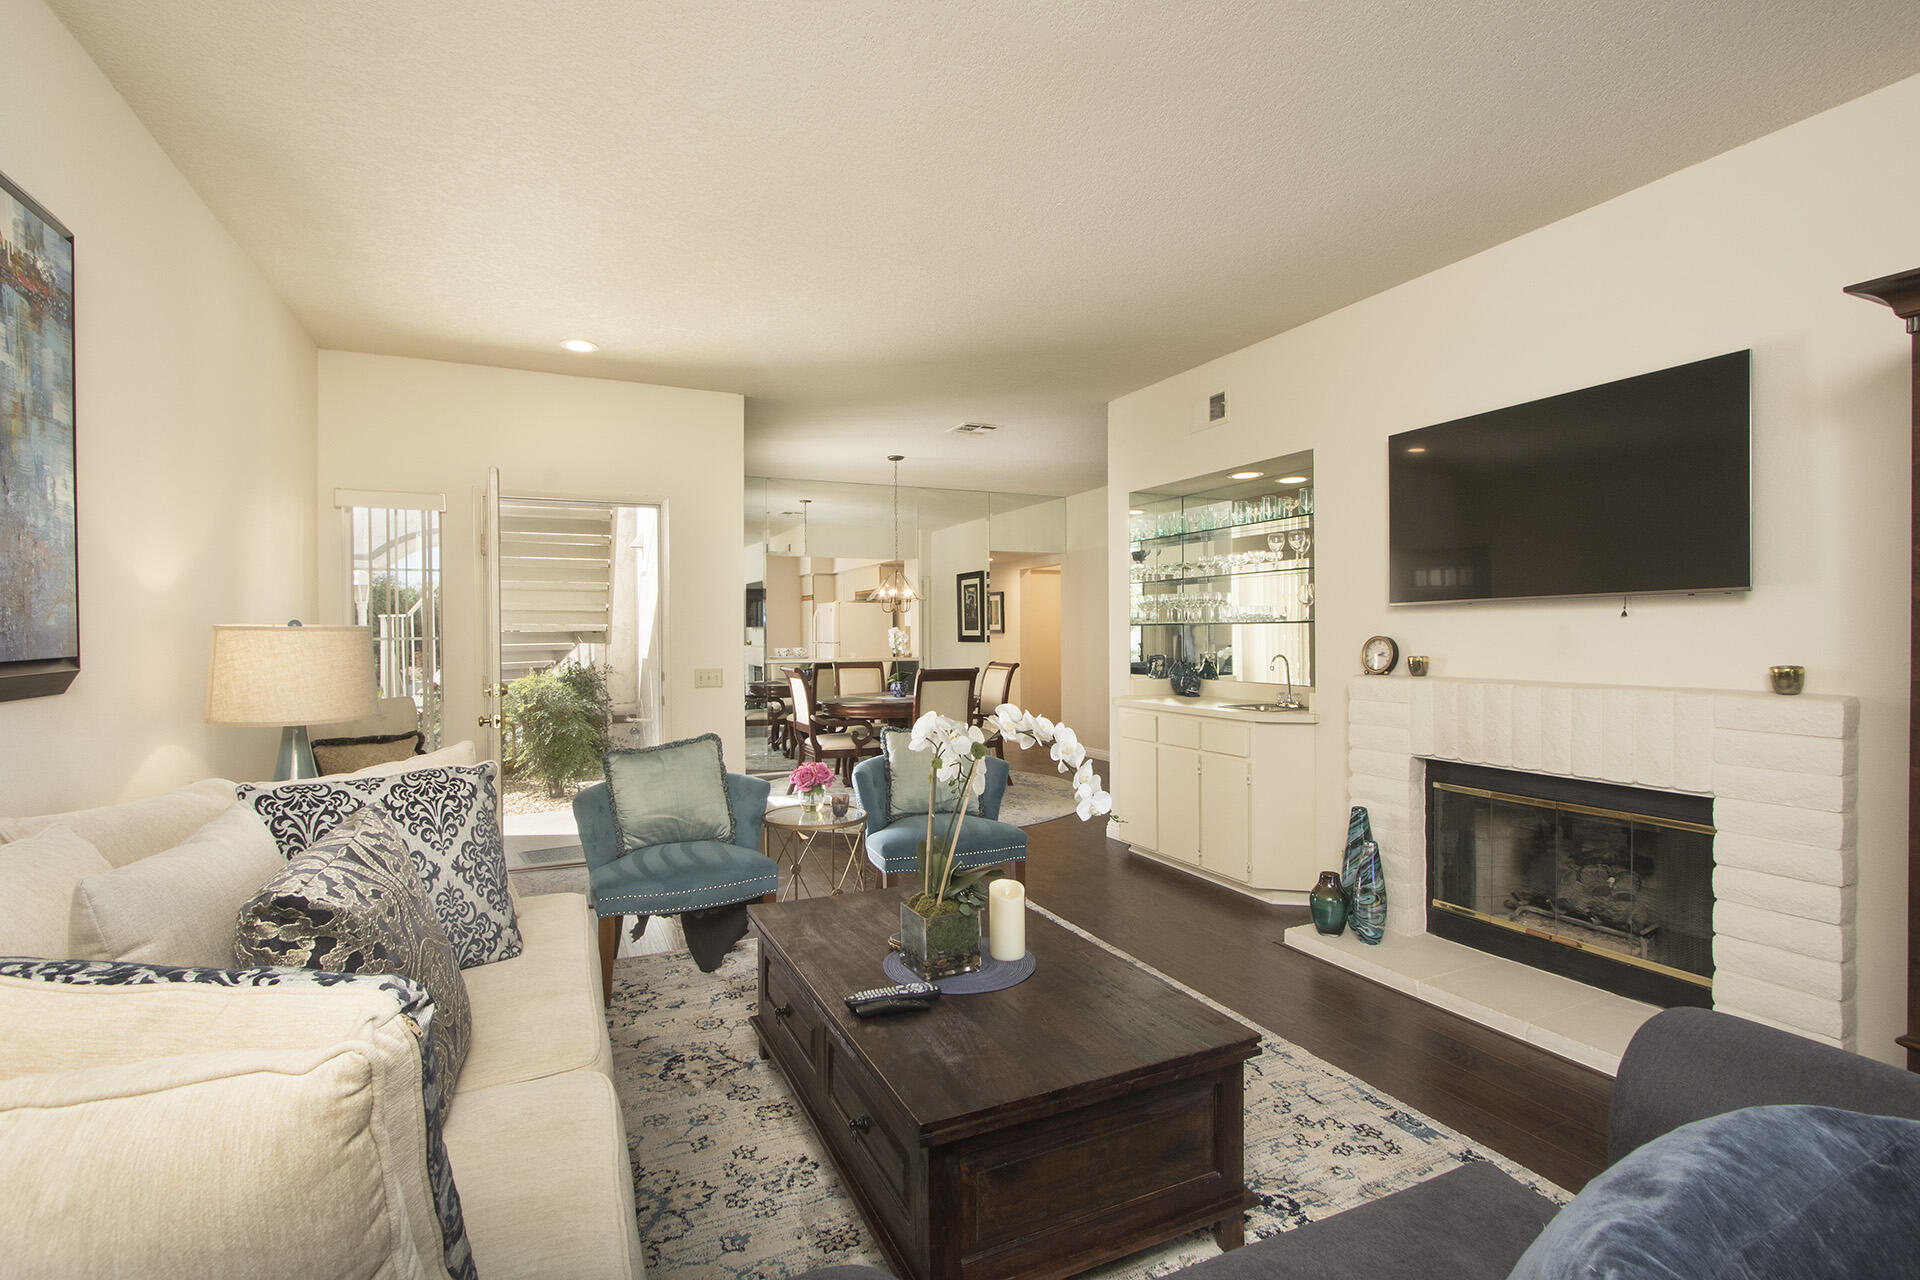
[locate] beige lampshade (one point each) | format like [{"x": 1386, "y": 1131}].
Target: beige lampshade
[{"x": 294, "y": 675}]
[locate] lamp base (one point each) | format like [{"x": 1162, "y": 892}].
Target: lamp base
[{"x": 296, "y": 755}]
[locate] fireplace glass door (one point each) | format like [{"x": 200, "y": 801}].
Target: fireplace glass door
[{"x": 1610, "y": 885}]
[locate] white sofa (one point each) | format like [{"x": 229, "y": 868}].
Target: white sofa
[{"x": 534, "y": 1132}]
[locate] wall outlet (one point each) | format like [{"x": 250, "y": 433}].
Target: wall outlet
[{"x": 708, "y": 678}]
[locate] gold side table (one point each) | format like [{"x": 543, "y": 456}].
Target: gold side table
[{"x": 793, "y": 830}]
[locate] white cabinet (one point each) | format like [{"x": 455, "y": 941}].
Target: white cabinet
[{"x": 1228, "y": 794}]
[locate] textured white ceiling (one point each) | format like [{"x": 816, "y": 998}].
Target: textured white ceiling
[{"x": 877, "y": 218}]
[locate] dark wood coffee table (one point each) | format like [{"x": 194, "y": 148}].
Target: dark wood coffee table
[{"x": 1087, "y": 1113}]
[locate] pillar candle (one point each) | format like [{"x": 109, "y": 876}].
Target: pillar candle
[{"x": 1007, "y": 919}]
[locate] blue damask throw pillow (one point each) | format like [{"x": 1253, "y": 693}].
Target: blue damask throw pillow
[
  {"x": 414, "y": 1003},
  {"x": 451, "y": 819},
  {"x": 1767, "y": 1193}
]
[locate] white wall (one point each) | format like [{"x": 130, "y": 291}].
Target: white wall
[
  {"x": 1749, "y": 249},
  {"x": 195, "y": 441},
  {"x": 1084, "y": 642},
  {"x": 954, "y": 550},
  {"x": 425, "y": 425}
]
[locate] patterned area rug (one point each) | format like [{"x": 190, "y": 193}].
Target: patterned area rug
[{"x": 731, "y": 1181}]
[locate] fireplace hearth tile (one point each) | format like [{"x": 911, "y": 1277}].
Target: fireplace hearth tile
[{"x": 1580, "y": 1023}]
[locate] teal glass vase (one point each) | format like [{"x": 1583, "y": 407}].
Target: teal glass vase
[
  {"x": 1328, "y": 902},
  {"x": 1361, "y": 877}
]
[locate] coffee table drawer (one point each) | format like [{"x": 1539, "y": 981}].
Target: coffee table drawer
[
  {"x": 871, "y": 1131},
  {"x": 792, "y": 1021}
]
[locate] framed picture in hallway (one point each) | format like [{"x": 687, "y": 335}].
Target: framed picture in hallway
[
  {"x": 39, "y": 544},
  {"x": 996, "y": 613},
  {"x": 971, "y": 606}
]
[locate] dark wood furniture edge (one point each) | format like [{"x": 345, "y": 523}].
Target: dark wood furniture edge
[{"x": 1901, "y": 292}]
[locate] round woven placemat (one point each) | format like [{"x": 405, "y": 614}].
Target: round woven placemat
[{"x": 992, "y": 975}]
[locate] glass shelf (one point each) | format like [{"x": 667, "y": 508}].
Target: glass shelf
[
  {"x": 1295, "y": 521},
  {"x": 1265, "y": 622},
  {"x": 1303, "y": 567}
]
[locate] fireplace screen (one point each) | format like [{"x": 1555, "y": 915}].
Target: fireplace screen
[{"x": 1609, "y": 885}]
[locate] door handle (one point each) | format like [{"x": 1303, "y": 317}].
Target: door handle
[{"x": 491, "y": 722}]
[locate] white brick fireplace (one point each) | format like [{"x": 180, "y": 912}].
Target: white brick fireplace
[{"x": 1781, "y": 772}]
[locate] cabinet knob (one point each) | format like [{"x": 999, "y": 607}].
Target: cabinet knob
[
  {"x": 783, "y": 1011},
  {"x": 860, "y": 1123}
]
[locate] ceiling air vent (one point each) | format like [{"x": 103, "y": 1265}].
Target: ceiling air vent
[
  {"x": 973, "y": 428},
  {"x": 1217, "y": 406}
]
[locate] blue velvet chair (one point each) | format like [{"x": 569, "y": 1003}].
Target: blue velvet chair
[
  {"x": 707, "y": 883},
  {"x": 894, "y": 847}
]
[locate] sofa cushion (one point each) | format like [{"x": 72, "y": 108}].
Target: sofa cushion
[
  {"x": 178, "y": 906},
  {"x": 67, "y": 1017},
  {"x": 668, "y": 879},
  {"x": 546, "y": 1179},
  {"x": 126, "y": 832},
  {"x": 344, "y": 755},
  {"x": 539, "y": 1014},
  {"x": 983, "y": 843},
  {"x": 350, "y": 904},
  {"x": 908, "y": 785},
  {"x": 450, "y": 818},
  {"x": 671, "y": 793},
  {"x": 40, "y": 873},
  {"x": 1764, "y": 1193}
]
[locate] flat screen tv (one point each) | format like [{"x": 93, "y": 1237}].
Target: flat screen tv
[{"x": 1635, "y": 486}]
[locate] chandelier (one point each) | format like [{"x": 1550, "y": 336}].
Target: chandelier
[{"x": 896, "y": 593}]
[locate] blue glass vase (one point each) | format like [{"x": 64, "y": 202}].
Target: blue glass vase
[{"x": 1361, "y": 878}]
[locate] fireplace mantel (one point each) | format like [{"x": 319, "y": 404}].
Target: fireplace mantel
[{"x": 1781, "y": 772}]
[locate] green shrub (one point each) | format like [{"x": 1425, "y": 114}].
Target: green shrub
[{"x": 558, "y": 724}]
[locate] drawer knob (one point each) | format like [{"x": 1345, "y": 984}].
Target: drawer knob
[
  {"x": 860, "y": 1123},
  {"x": 783, "y": 1011}
]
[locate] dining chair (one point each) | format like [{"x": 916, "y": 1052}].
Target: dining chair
[
  {"x": 860, "y": 677},
  {"x": 814, "y": 739},
  {"x": 948, "y": 690},
  {"x": 996, "y": 687},
  {"x": 824, "y": 680}
]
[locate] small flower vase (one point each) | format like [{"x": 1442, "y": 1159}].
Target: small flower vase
[
  {"x": 897, "y": 687},
  {"x": 1328, "y": 902},
  {"x": 941, "y": 947},
  {"x": 817, "y": 800},
  {"x": 1362, "y": 879}
]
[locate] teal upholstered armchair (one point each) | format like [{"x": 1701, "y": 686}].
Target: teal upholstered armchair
[
  {"x": 893, "y": 840},
  {"x": 707, "y": 883}
]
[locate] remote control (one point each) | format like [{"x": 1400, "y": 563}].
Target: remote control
[{"x": 908, "y": 995}]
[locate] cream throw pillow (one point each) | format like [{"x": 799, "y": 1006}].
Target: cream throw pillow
[
  {"x": 38, "y": 876},
  {"x": 460, "y": 753},
  {"x": 178, "y": 906},
  {"x": 208, "y": 1132},
  {"x": 124, "y": 833}
]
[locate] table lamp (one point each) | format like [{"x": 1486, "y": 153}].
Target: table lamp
[{"x": 290, "y": 677}]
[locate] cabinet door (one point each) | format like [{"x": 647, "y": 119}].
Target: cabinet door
[
  {"x": 1226, "y": 816},
  {"x": 1134, "y": 798},
  {"x": 1179, "y": 796}
]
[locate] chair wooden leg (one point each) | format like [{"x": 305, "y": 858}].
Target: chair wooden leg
[
  {"x": 1018, "y": 870},
  {"x": 609, "y": 947},
  {"x": 886, "y": 878},
  {"x": 768, "y": 897}
]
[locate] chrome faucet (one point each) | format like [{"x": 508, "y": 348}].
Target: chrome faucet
[{"x": 1291, "y": 703}]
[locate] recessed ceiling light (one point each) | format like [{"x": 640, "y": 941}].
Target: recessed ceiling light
[
  {"x": 580, "y": 345},
  {"x": 1135, "y": 511},
  {"x": 1291, "y": 480},
  {"x": 1416, "y": 448},
  {"x": 1246, "y": 475}
]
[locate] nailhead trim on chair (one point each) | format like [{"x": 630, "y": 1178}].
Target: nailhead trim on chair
[
  {"x": 705, "y": 888},
  {"x": 1021, "y": 849}
]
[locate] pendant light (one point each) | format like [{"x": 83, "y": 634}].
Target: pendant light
[{"x": 896, "y": 593}]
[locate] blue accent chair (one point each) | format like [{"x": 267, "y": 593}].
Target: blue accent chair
[
  {"x": 707, "y": 883},
  {"x": 894, "y": 847}
]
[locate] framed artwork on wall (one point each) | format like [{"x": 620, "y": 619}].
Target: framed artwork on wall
[
  {"x": 996, "y": 613},
  {"x": 39, "y": 542},
  {"x": 971, "y": 606}
]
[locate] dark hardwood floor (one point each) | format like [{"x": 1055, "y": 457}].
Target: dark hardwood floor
[{"x": 1542, "y": 1111}]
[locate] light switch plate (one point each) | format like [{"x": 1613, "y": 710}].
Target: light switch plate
[{"x": 708, "y": 677}]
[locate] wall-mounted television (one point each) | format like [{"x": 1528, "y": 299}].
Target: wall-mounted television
[{"x": 1635, "y": 486}]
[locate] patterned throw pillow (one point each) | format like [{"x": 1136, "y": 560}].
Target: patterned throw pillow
[
  {"x": 344, "y": 755},
  {"x": 907, "y": 785},
  {"x": 450, "y": 819},
  {"x": 670, "y": 793},
  {"x": 351, "y": 904},
  {"x": 415, "y": 1005}
]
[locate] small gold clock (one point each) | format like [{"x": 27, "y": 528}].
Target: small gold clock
[{"x": 1379, "y": 655}]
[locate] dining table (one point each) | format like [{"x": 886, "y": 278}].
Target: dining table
[{"x": 870, "y": 708}]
